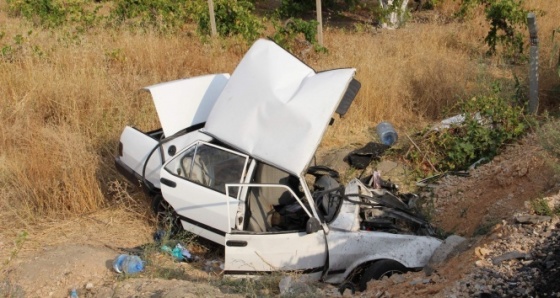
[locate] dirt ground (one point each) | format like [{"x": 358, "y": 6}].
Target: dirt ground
[
  {"x": 472, "y": 205},
  {"x": 51, "y": 259}
]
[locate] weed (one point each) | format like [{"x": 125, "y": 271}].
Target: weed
[
  {"x": 488, "y": 123},
  {"x": 540, "y": 207},
  {"x": 262, "y": 286},
  {"x": 549, "y": 136},
  {"x": 18, "y": 244},
  {"x": 507, "y": 18}
]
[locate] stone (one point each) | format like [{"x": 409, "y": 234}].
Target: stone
[
  {"x": 482, "y": 263},
  {"x": 510, "y": 256},
  {"x": 532, "y": 219},
  {"x": 481, "y": 252},
  {"x": 397, "y": 278}
]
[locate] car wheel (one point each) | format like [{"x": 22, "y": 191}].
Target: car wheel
[
  {"x": 167, "y": 219},
  {"x": 380, "y": 269}
]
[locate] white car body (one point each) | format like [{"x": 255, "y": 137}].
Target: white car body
[{"x": 231, "y": 160}]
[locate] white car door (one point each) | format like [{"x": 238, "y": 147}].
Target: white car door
[
  {"x": 193, "y": 183},
  {"x": 253, "y": 251}
]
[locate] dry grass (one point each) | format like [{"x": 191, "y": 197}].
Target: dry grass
[{"x": 65, "y": 98}]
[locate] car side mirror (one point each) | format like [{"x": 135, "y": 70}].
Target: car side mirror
[{"x": 312, "y": 226}]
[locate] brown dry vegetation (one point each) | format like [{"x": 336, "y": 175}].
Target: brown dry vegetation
[{"x": 65, "y": 97}]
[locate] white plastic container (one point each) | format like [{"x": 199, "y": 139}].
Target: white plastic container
[{"x": 387, "y": 133}]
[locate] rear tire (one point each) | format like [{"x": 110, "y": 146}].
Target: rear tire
[{"x": 380, "y": 269}]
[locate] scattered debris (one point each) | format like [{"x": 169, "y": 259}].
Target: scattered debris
[
  {"x": 213, "y": 266},
  {"x": 361, "y": 158}
]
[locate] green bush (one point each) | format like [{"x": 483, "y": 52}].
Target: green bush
[
  {"x": 489, "y": 123},
  {"x": 549, "y": 137},
  {"x": 286, "y": 34},
  {"x": 291, "y": 8},
  {"x": 232, "y": 18},
  {"x": 52, "y": 13},
  {"x": 164, "y": 15},
  {"x": 507, "y": 18}
]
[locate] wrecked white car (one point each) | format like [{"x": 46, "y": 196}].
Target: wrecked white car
[{"x": 231, "y": 161}]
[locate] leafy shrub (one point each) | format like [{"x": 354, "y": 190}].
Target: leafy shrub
[
  {"x": 286, "y": 34},
  {"x": 232, "y": 18},
  {"x": 291, "y": 8},
  {"x": 549, "y": 137},
  {"x": 164, "y": 15},
  {"x": 506, "y": 18},
  {"x": 18, "y": 48},
  {"x": 489, "y": 123},
  {"x": 52, "y": 13}
]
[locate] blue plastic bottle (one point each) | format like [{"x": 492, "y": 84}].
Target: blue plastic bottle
[
  {"x": 73, "y": 293},
  {"x": 387, "y": 133},
  {"x": 128, "y": 264}
]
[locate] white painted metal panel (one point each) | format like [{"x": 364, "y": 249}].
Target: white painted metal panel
[
  {"x": 199, "y": 204},
  {"x": 186, "y": 102},
  {"x": 136, "y": 147},
  {"x": 347, "y": 250},
  {"x": 276, "y": 108},
  {"x": 270, "y": 252}
]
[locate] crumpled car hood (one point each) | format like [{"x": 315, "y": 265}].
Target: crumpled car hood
[{"x": 275, "y": 108}]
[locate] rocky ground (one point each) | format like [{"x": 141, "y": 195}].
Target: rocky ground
[{"x": 510, "y": 251}]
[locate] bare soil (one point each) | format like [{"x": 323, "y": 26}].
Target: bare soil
[
  {"x": 78, "y": 253},
  {"x": 471, "y": 206}
]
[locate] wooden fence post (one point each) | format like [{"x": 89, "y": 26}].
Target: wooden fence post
[
  {"x": 212, "y": 17},
  {"x": 533, "y": 64},
  {"x": 320, "y": 21}
]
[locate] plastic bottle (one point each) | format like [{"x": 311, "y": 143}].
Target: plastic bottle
[
  {"x": 185, "y": 253},
  {"x": 386, "y": 133},
  {"x": 179, "y": 253},
  {"x": 73, "y": 293},
  {"x": 128, "y": 264}
]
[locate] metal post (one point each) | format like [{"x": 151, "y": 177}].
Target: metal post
[
  {"x": 320, "y": 21},
  {"x": 533, "y": 64},
  {"x": 212, "y": 17}
]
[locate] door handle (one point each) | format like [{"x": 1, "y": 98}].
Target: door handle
[
  {"x": 236, "y": 243},
  {"x": 168, "y": 182}
]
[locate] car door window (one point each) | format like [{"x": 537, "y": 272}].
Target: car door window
[{"x": 209, "y": 166}]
